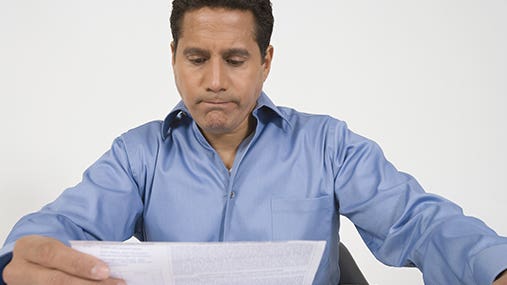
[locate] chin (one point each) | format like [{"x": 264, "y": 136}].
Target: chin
[
  {"x": 216, "y": 124},
  {"x": 215, "y": 127}
]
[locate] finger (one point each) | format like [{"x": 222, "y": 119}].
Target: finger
[
  {"x": 26, "y": 273},
  {"x": 52, "y": 253}
]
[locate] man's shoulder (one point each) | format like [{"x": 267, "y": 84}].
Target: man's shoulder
[
  {"x": 308, "y": 120},
  {"x": 144, "y": 133}
]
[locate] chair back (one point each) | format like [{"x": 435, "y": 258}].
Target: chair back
[{"x": 350, "y": 274}]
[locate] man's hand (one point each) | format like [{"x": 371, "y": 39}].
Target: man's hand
[
  {"x": 42, "y": 260},
  {"x": 502, "y": 280}
]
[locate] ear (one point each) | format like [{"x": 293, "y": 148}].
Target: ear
[
  {"x": 173, "y": 53},
  {"x": 267, "y": 61}
]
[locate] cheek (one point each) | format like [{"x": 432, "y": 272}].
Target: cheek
[
  {"x": 256, "y": 85},
  {"x": 249, "y": 82},
  {"x": 185, "y": 82}
]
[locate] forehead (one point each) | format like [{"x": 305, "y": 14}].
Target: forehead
[{"x": 217, "y": 24}]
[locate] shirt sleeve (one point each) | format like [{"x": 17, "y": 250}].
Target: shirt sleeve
[
  {"x": 404, "y": 226},
  {"x": 105, "y": 205}
]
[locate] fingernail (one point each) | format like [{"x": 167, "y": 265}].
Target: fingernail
[{"x": 100, "y": 271}]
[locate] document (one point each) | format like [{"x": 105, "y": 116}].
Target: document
[{"x": 217, "y": 263}]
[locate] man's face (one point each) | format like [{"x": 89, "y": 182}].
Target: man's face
[{"x": 218, "y": 68}]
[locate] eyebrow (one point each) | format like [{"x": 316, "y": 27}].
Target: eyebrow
[
  {"x": 236, "y": 52},
  {"x": 228, "y": 53},
  {"x": 195, "y": 51}
]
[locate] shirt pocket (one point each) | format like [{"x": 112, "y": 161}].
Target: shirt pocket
[{"x": 302, "y": 219}]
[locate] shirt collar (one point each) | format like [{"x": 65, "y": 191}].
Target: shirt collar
[{"x": 265, "y": 110}]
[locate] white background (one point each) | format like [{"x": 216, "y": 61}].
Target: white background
[{"x": 427, "y": 80}]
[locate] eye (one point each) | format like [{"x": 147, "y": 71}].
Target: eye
[
  {"x": 197, "y": 60},
  {"x": 234, "y": 62}
]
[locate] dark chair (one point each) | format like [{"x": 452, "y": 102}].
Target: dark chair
[{"x": 350, "y": 272}]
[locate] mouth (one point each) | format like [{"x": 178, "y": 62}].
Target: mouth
[{"x": 216, "y": 102}]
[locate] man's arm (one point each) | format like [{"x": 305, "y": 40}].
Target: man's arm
[
  {"x": 404, "y": 226},
  {"x": 104, "y": 206}
]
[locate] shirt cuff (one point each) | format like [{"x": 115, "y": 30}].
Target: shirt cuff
[
  {"x": 489, "y": 263},
  {"x": 5, "y": 258}
]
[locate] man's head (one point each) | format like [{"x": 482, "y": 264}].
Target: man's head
[
  {"x": 218, "y": 66},
  {"x": 261, "y": 10}
]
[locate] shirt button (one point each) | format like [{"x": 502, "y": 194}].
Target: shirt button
[{"x": 233, "y": 194}]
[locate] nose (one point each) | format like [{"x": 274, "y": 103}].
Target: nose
[{"x": 216, "y": 77}]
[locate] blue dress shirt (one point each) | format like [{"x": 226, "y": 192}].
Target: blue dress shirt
[{"x": 291, "y": 180}]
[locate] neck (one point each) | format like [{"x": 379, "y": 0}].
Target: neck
[{"x": 227, "y": 144}]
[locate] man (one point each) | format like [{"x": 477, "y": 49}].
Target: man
[{"x": 227, "y": 164}]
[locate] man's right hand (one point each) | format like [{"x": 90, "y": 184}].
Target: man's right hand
[{"x": 38, "y": 260}]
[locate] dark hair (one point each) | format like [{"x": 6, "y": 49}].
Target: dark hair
[{"x": 261, "y": 10}]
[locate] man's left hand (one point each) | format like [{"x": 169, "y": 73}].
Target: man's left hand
[{"x": 502, "y": 280}]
